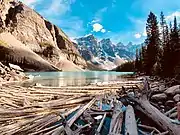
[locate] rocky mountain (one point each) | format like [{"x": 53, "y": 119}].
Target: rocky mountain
[
  {"x": 104, "y": 53},
  {"x": 32, "y": 42}
]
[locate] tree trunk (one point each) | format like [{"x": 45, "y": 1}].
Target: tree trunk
[{"x": 156, "y": 116}]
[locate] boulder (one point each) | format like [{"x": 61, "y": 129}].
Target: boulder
[
  {"x": 162, "y": 88},
  {"x": 170, "y": 103},
  {"x": 159, "y": 97},
  {"x": 1, "y": 79},
  {"x": 173, "y": 90},
  {"x": 16, "y": 67},
  {"x": 2, "y": 71},
  {"x": 155, "y": 89},
  {"x": 176, "y": 98},
  {"x": 160, "y": 103},
  {"x": 162, "y": 106}
]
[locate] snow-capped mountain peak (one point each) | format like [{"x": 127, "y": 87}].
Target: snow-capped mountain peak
[{"x": 105, "y": 51}]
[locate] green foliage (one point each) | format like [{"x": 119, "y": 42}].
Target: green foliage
[
  {"x": 126, "y": 67},
  {"x": 152, "y": 42},
  {"x": 161, "y": 53},
  {"x": 45, "y": 44},
  {"x": 3, "y": 43}
]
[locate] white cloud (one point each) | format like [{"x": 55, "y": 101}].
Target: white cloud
[
  {"x": 139, "y": 27},
  {"x": 99, "y": 14},
  {"x": 72, "y": 26},
  {"x": 97, "y": 27},
  {"x": 95, "y": 21},
  {"x": 171, "y": 16},
  {"x": 58, "y": 7},
  {"x": 137, "y": 35},
  {"x": 103, "y": 30},
  {"x": 30, "y": 3}
]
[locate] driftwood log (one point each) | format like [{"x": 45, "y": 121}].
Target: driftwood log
[
  {"x": 100, "y": 125},
  {"x": 117, "y": 119},
  {"x": 143, "y": 105},
  {"x": 130, "y": 122}
]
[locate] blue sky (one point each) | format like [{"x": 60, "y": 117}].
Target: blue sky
[{"x": 120, "y": 20}]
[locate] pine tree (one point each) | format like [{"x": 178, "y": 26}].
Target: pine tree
[
  {"x": 140, "y": 60},
  {"x": 176, "y": 48},
  {"x": 137, "y": 60},
  {"x": 164, "y": 49},
  {"x": 152, "y": 42},
  {"x": 163, "y": 28},
  {"x": 166, "y": 54},
  {"x": 144, "y": 57}
]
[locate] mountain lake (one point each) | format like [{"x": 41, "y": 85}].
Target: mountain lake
[{"x": 58, "y": 79}]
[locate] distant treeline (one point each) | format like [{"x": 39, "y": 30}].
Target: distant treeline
[
  {"x": 126, "y": 67},
  {"x": 160, "y": 54}
]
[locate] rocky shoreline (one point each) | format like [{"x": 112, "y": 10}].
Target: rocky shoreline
[
  {"x": 9, "y": 74},
  {"x": 164, "y": 97}
]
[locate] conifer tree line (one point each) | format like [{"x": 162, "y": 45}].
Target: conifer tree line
[{"x": 160, "y": 54}]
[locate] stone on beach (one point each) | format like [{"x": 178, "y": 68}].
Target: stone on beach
[
  {"x": 2, "y": 71},
  {"x": 159, "y": 97},
  {"x": 162, "y": 88},
  {"x": 155, "y": 89},
  {"x": 170, "y": 103},
  {"x": 173, "y": 90},
  {"x": 176, "y": 98}
]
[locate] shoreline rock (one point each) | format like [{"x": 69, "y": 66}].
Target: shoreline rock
[
  {"x": 8, "y": 74},
  {"x": 159, "y": 97},
  {"x": 172, "y": 91}
]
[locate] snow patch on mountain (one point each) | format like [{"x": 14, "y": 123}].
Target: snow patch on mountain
[{"x": 104, "y": 53}]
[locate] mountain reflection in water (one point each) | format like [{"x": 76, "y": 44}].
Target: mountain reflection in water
[{"x": 58, "y": 79}]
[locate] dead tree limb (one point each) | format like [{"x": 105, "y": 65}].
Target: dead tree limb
[{"x": 143, "y": 105}]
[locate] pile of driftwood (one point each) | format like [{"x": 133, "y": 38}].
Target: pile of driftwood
[
  {"x": 30, "y": 110},
  {"x": 163, "y": 124},
  {"x": 81, "y": 110},
  {"x": 40, "y": 110}
]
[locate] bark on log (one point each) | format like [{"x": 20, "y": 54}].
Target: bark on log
[
  {"x": 130, "y": 122},
  {"x": 156, "y": 116},
  {"x": 76, "y": 116},
  {"x": 100, "y": 125},
  {"x": 117, "y": 120},
  {"x": 143, "y": 105}
]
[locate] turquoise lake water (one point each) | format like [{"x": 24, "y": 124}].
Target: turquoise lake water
[{"x": 58, "y": 79}]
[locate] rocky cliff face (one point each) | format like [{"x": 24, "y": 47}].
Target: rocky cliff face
[
  {"x": 38, "y": 34},
  {"x": 104, "y": 52},
  {"x": 105, "y": 49},
  {"x": 108, "y": 47}
]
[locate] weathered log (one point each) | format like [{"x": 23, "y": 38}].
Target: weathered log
[
  {"x": 117, "y": 119},
  {"x": 170, "y": 111},
  {"x": 79, "y": 113},
  {"x": 130, "y": 122},
  {"x": 143, "y": 105},
  {"x": 149, "y": 128},
  {"x": 156, "y": 116},
  {"x": 46, "y": 129},
  {"x": 101, "y": 124},
  {"x": 59, "y": 130}
]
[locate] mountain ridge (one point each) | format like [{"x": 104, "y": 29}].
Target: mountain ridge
[{"x": 104, "y": 51}]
